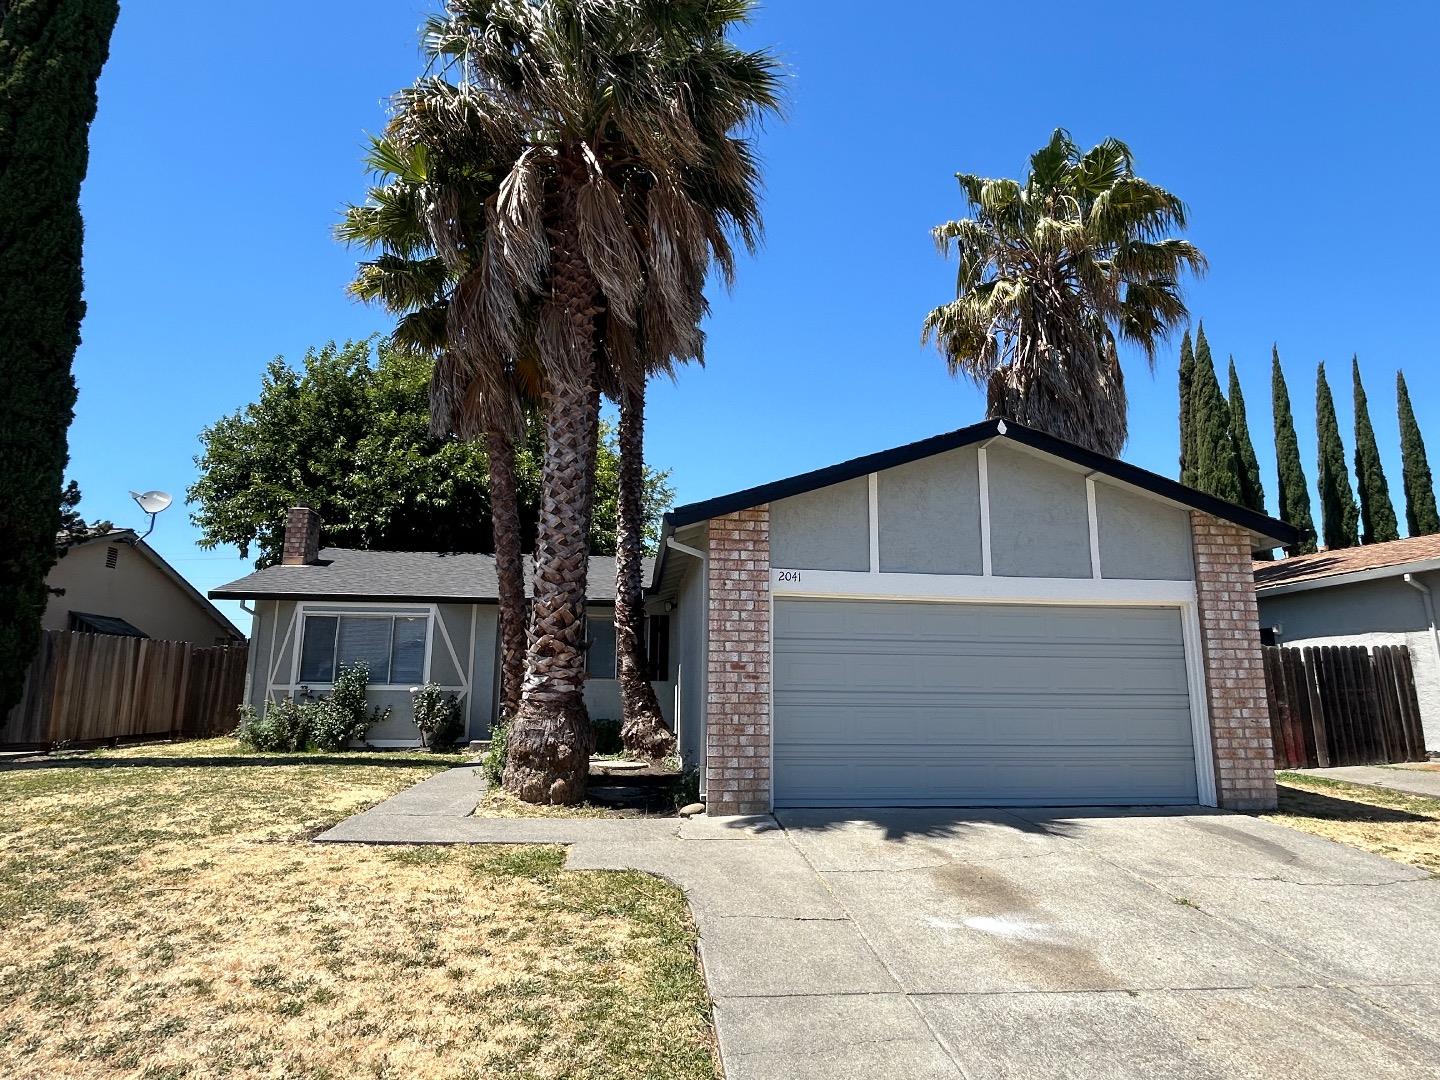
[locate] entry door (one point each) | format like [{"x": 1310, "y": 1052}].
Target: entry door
[{"x": 888, "y": 703}]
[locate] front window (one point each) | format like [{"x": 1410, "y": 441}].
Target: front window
[{"x": 392, "y": 646}]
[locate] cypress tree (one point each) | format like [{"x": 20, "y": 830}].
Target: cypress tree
[
  {"x": 1339, "y": 516},
  {"x": 1421, "y": 517},
  {"x": 51, "y": 53},
  {"x": 1294, "y": 492},
  {"x": 1252, "y": 490},
  {"x": 1377, "y": 512},
  {"x": 1215, "y": 466},
  {"x": 1187, "y": 420}
]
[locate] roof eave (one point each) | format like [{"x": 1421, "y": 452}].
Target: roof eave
[{"x": 1353, "y": 577}]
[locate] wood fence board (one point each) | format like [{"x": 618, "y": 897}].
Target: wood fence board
[{"x": 98, "y": 687}]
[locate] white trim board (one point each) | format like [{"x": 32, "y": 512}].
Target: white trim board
[{"x": 1018, "y": 590}]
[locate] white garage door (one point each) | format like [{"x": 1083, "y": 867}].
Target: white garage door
[{"x": 885, "y": 703}]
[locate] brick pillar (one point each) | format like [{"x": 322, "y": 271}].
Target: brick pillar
[
  {"x": 737, "y": 708},
  {"x": 1234, "y": 668},
  {"x": 302, "y": 537}
]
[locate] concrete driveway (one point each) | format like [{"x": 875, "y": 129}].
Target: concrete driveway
[
  {"x": 1035, "y": 944},
  {"x": 918, "y": 944}
]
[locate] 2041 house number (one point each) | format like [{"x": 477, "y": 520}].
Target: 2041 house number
[{"x": 783, "y": 576}]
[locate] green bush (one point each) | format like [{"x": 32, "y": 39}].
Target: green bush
[
  {"x": 332, "y": 723},
  {"x": 607, "y": 736},
  {"x": 493, "y": 764},
  {"x": 437, "y": 715}
]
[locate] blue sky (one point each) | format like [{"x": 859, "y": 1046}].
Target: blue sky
[{"x": 1300, "y": 135}]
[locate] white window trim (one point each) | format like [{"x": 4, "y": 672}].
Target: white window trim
[
  {"x": 435, "y": 627},
  {"x": 1090, "y": 592}
]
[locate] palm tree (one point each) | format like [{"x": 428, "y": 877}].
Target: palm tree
[
  {"x": 1049, "y": 273},
  {"x": 408, "y": 278},
  {"x": 614, "y": 126}
]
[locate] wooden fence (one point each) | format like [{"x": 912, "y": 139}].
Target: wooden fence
[
  {"x": 86, "y": 688},
  {"x": 1342, "y": 705}
]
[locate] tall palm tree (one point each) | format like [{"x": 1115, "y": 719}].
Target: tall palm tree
[
  {"x": 1050, "y": 272},
  {"x": 410, "y": 279},
  {"x": 617, "y": 129}
]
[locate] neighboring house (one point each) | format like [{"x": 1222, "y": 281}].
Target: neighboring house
[
  {"x": 414, "y": 617},
  {"x": 989, "y": 617},
  {"x": 1377, "y": 594},
  {"x": 115, "y": 583}
]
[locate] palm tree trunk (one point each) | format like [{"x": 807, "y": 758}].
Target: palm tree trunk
[
  {"x": 550, "y": 741},
  {"x": 509, "y": 569},
  {"x": 643, "y": 730}
]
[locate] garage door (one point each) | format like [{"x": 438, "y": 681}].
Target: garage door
[{"x": 885, "y": 703}]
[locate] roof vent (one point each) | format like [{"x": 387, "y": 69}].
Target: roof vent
[{"x": 112, "y": 556}]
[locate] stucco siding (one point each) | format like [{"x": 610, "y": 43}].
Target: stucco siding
[
  {"x": 687, "y": 652},
  {"x": 1039, "y": 517},
  {"x": 929, "y": 514},
  {"x": 135, "y": 590},
  {"x": 1382, "y": 612},
  {"x": 483, "y": 661},
  {"x": 828, "y": 529},
  {"x": 1141, "y": 538}
]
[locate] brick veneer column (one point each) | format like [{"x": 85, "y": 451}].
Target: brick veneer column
[
  {"x": 1234, "y": 669},
  {"x": 737, "y": 708}
]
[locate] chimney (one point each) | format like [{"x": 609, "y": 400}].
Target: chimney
[{"x": 302, "y": 537}]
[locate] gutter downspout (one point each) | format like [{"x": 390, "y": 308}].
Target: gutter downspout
[
  {"x": 1416, "y": 583},
  {"x": 686, "y": 549}
]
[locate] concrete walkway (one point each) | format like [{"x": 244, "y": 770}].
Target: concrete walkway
[
  {"x": 999, "y": 945},
  {"x": 1424, "y": 782}
]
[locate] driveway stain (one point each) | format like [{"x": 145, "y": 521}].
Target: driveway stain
[{"x": 1256, "y": 843}]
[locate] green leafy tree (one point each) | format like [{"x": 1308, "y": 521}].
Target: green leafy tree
[
  {"x": 1339, "y": 516},
  {"x": 1377, "y": 512},
  {"x": 1187, "y": 404},
  {"x": 1216, "y": 468},
  {"x": 350, "y": 436},
  {"x": 1252, "y": 490},
  {"x": 619, "y": 129},
  {"x": 1051, "y": 272},
  {"x": 1421, "y": 517},
  {"x": 51, "y": 53},
  {"x": 1294, "y": 490}
]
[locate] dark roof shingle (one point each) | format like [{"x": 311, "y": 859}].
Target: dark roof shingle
[{"x": 351, "y": 574}]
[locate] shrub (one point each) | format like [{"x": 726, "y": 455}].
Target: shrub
[
  {"x": 332, "y": 723},
  {"x": 437, "y": 715},
  {"x": 607, "y": 737},
  {"x": 493, "y": 764}
]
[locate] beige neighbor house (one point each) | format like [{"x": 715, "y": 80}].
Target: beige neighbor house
[
  {"x": 113, "y": 582},
  {"x": 989, "y": 617},
  {"x": 1376, "y": 594}
]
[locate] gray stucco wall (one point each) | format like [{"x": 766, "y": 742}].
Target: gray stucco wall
[
  {"x": 1382, "y": 612},
  {"x": 1039, "y": 517},
  {"x": 827, "y": 529},
  {"x": 687, "y": 654},
  {"x": 486, "y": 657},
  {"x": 1141, "y": 538},
  {"x": 929, "y": 513}
]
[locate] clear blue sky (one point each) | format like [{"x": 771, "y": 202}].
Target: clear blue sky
[{"x": 1300, "y": 135}]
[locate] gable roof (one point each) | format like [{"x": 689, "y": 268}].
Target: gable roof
[
  {"x": 1259, "y": 524},
  {"x": 413, "y": 576},
  {"x": 130, "y": 538},
  {"x": 1345, "y": 565}
]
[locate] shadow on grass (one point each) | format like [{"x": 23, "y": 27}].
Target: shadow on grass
[
  {"x": 369, "y": 759},
  {"x": 1314, "y": 804}
]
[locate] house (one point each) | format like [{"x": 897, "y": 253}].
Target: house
[
  {"x": 415, "y": 617},
  {"x": 112, "y": 582},
  {"x": 1377, "y": 594},
  {"x": 989, "y": 617}
]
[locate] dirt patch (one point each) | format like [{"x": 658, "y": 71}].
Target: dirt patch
[
  {"x": 1402, "y": 827},
  {"x": 159, "y": 919}
]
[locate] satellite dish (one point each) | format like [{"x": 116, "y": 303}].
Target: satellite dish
[{"x": 152, "y": 502}]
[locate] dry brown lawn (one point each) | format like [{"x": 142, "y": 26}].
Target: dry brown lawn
[
  {"x": 163, "y": 915},
  {"x": 1390, "y": 823}
]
